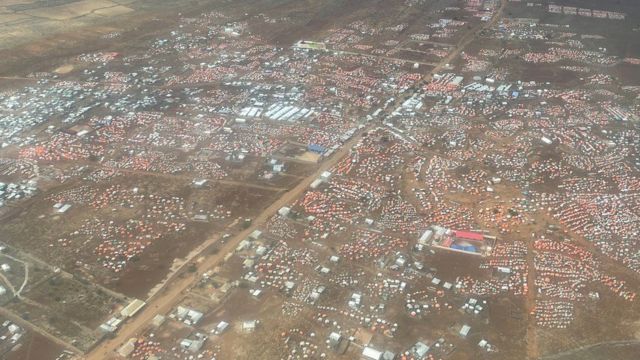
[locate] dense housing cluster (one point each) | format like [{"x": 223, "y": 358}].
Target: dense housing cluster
[{"x": 400, "y": 180}]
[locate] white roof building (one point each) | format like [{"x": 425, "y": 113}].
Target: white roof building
[{"x": 370, "y": 353}]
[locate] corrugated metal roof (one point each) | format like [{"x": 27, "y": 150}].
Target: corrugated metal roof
[{"x": 468, "y": 235}]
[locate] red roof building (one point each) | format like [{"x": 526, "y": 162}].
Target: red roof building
[{"x": 468, "y": 235}]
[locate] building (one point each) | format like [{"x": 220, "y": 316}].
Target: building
[
  {"x": 419, "y": 350},
  {"x": 464, "y": 331},
  {"x": 370, "y": 353},
  {"x": 249, "y": 325},
  {"x": 193, "y": 345},
  {"x": 126, "y": 349},
  {"x": 201, "y": 217},
  {"x": 158, "y": 320},
  {"x": 334, "y": 339},
  {"x": 316, "y": 183},
  {"x": 310, "y": 45},
  {"x": 62, "y": 208},
  {"x": 221, "y": 327},
  {"x": 316, "y": 148},
  {"x": 278, "y": 168},
  {"x": 111, "y": 325},
  {"x": 133, "y": 308},
  {"x": 198, "y": 183},
  {"x": 188, "y": 316},
  {"x": 284, "y": 211},
  {"x": 465, "y": 242},
  {"x": 388, "y": 355},
  {"x": 426, "y": 237}
]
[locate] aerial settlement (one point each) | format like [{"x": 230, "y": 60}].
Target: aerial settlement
[{"x": 409, "y": 179}]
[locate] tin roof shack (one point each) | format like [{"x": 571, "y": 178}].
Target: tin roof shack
[
  {"x": 188, "y": 316},
  {"x": 255, "y": 235},
  {"x": 325, "y": 177},
  {"x": 199, "y": 183},
  {"x": 419, "y": 350},
  {"x": 314, "y": 295},
  {"x": 473, "y": 306},
  {"x": 276, "y": 166},
  {"x": 194, "y": 342},
  {"x": 426, "y": 236},
  {"x": 464, "y": 331},
  {"x": 316, "y": 148},
  {"x": 284, "y": 211},
  {"x": 11, "y": 191},
  {"x": 236, "y": 157},
  {"x": 316, "y": 183},
  {"x": 220, "y": 328},
  {"x": 201, "y": 218},
  {"x": 157, "y": 321},
  {"x": 133, "y": 308},
  {"x": 388, "y": 355},
  {"x": 355, "y": 301},
  {"x": 369, "y": 353},
  {"x": 111, "y": 325},
  {"x": 128, "y": 347},
  {"x": 338, "y": 343},
  {"x": 250, "y": 326},
  {"x": 10, "y": 335},
  {"x": 61, "y": 208},
  {"x": 310, "y": 45},
  {"x": 288, "y": 287},
  {"x": 465, "y": 242}
]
